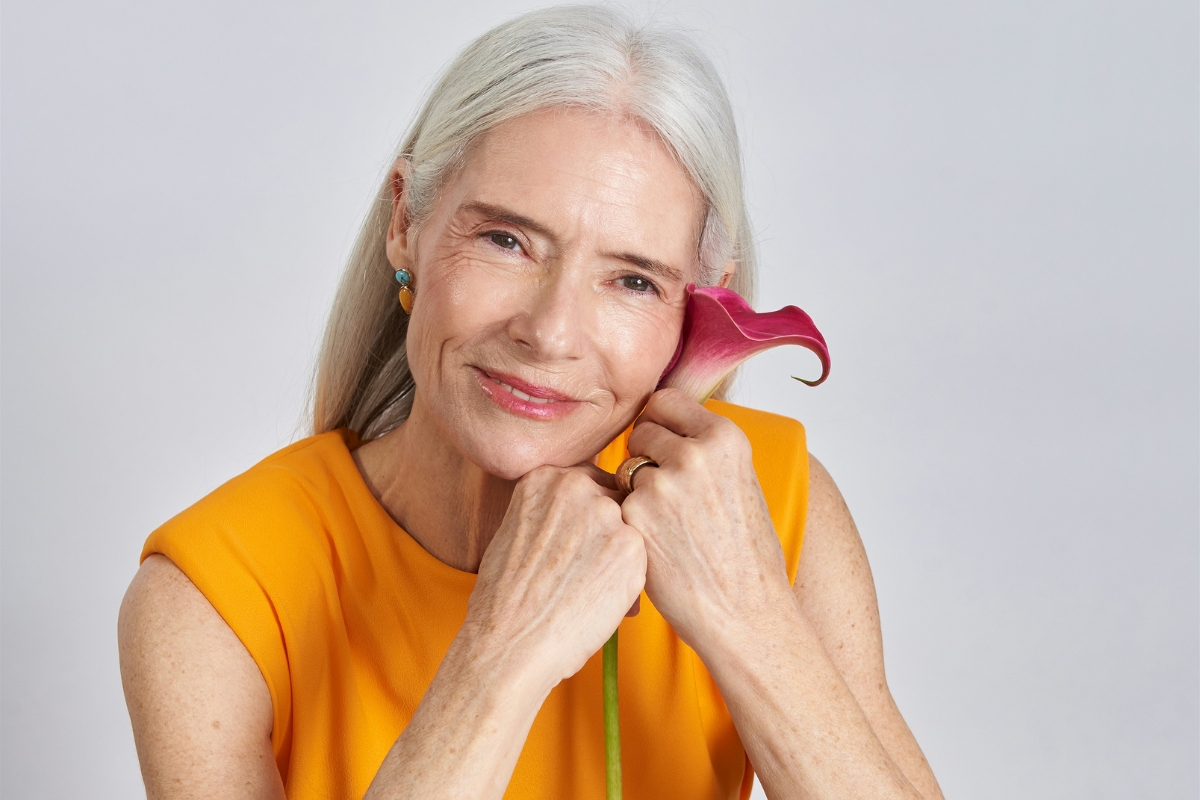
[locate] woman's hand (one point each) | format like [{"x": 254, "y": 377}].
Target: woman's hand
[
  {"x": 560, "y": 573},
  {"x": 553, "y": 585},
  {"x": 716, "y": 571},
  {"x": 713, "y": 557}
]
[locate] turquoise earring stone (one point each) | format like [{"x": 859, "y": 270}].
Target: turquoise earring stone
[{"x": 403, "y": 278}]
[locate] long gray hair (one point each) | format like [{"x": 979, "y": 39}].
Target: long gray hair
[{"x": 583, "y": 56}]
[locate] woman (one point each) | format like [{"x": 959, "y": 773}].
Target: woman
[{"x": 410, "y": 602}]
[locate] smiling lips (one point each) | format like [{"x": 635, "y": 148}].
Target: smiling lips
[
  {"x": 518, "y": 393},
  {"x": 524, "y": 399}
]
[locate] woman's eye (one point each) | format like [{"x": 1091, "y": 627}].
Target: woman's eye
[
  {"x": 505, "y": 241},
  {"x": 637, "y": 283}
]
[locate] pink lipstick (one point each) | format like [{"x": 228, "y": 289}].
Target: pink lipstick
[{"x": 522, "y": 398}]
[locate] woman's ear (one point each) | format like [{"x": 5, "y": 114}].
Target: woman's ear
[
  {"x": 398, "y": 229},
  {"x": 727, "y": 274}
]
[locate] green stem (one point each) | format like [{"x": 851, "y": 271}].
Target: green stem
[{"x": 612, "y": 722}]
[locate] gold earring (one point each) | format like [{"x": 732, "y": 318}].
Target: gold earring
[{"x": 404, "y": 278}]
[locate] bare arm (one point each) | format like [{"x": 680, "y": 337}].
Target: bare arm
[
  {"x": 202, "y": 714},
  {"x": 200, "y": 708},
  {"x": 837, "y": 594},
  {"x": 807, "y": 689}
]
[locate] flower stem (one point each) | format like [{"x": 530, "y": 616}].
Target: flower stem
[{"x": 612, "y": 722}]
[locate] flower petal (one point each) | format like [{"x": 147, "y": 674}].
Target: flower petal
[{"x": 721, "y": 330}]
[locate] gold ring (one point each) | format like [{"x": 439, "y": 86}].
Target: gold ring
[{"x": 627, "y": 469}]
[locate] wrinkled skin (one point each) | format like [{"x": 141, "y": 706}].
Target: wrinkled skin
[
  {"x": 554, "y": 263},
  {"x": 586, "y": 302},
  {"x": 712, "y": 554}
]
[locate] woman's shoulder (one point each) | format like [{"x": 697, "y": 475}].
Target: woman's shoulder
[
  {"x": 258, "y": 549},
  {"x": 284, "y": 492},
  {"x": 267, "y": 533}
]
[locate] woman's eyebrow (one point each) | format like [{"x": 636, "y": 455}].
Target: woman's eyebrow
[
  {"x": 511, "y": 217},
  {"x": 653, "y": 266},
  {"x": 665, "y": 271}
]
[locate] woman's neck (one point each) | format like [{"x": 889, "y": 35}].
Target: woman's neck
[{"x": 447, "y": 504}]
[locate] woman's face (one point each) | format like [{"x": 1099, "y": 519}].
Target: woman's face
[{"x": 549, "y": 286}]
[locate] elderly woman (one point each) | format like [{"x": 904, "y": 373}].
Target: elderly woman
[{"x": 410, "y": 602}]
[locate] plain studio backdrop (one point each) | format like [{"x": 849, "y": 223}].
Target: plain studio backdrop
[{"x": 989, "y": 208}]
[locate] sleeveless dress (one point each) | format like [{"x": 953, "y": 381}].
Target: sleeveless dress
[{"x": 348, "y": 618}]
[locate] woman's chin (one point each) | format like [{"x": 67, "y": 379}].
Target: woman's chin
[
  {"x": 510, "y": 454},
  {"x": 510, "y": 445},
  {"x": 512, "y": 460}
]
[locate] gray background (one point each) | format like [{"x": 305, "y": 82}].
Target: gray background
[{"x": 990, "y": 209}]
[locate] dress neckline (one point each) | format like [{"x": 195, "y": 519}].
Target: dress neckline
[{"x": 359, "y": 493}]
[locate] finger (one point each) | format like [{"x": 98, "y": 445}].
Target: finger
[
  {"x": 635, "y": 608},
  {"x": 605, "y": 481},
  {"x": 640, "y": 475},
  {"x": 654, "y": 441},
  {"x": 677, "y": 412}
]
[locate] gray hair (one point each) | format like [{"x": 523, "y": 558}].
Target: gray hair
[{"x": 582, "y": 56}]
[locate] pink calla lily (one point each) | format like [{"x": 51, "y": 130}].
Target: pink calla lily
[{"x": 721, "y": 330}]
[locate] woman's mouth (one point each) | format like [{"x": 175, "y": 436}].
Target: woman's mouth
[{"x": 522, "y": 398}]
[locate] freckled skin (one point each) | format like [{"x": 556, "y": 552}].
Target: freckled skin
[{"x": 557, "y": 256}]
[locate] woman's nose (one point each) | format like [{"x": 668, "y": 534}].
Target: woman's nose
[{"x": 551, "y": 325}]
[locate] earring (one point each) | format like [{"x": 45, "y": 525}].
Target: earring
[{"x": 404, "y": 278}]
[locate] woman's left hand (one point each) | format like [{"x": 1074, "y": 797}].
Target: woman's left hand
[{"x": 713, "y": 559}]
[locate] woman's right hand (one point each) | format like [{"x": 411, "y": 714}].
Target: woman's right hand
[
  {"x": 561, "y": 572},
  {"x": 554, "y": 582}
]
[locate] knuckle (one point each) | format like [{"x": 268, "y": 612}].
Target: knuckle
[
  {"x": 728, "y": 435},
  {"x": 629, "y": 542},
  {"x": 536, "y": 477},
  {"x": 605, "y": 510},
  {"x": 631, "y": 508},
  {"x": 691, "y": 455},
  {"x": 667, "y": 485},
  {"x": 576, "y": 482}
]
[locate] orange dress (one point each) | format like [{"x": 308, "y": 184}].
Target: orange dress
[{"x": 348, "y": 618}]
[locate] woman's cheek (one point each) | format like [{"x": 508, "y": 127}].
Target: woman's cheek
[
  {"x": 437, "y": 315},
  {"x": 639, "y": 343},
  {"x": 457, "y": 298},
  {"x": 477, "y": 290}
]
